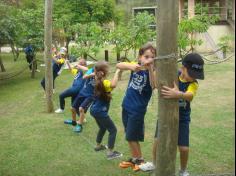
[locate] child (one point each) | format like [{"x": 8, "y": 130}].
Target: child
[
  {"x": 58, "y": 62},
  {"x": 99, "y": 109},
  {"x": 78, "y": 83},
  {"x": 135, "y": 103},
  {"x": 83, "y": 101},
  {"x": 192, "y": 69}
]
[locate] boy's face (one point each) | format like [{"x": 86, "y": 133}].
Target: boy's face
[
  {"x": 186, "y": 75},
  {"x": 147, "y": 58},
  {"x": 82, "y": 62}
]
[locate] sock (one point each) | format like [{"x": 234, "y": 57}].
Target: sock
[{"x": 74, "y": 123}]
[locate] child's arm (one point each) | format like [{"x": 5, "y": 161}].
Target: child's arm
[
  {"x": 175, "y": 93},
  {"x": 83, "y": 68},
  {"x": 68, "y": 64},
  {"x": 89, "y": 74},
  {"x": 128, "y": 66},
  {"x": 153, "y": 76},
  {"x": 115, "y": 79}
]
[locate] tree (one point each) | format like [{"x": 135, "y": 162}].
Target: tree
[
  {"x": 168, "y": 110},
  {"x": 77, "y": 12},
  {"x": 48, "y": 54},
  {"x": 189, "y": 27},
  {"x": 225, "y": 43},
  {"x": 133, "y": 35},
  {"x": 90, "y": 38}
]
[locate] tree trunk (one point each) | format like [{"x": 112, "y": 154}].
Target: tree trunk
[
  {"x": 1, "y": 63},
  {"x": 168, "y": 110},
  {"x": 48, "y": 54}
]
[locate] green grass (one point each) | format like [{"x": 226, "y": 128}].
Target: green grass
[{"x": 34, "y": 143}]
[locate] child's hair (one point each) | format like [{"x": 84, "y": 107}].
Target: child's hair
[
  {"x": 146, "y": 47},
  {"x": 101, "y": 71}
]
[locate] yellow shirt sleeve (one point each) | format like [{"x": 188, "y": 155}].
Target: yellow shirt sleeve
[
  {"x": 107, "y": 85},
  {"x": 192, "y": 88},
  {"x": 132, "y": 62},
  {"x": 74, "y": 71},
  {"x": 61, "y": 61}
]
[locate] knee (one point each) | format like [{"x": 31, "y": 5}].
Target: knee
[
  {"x": 113, "y": 130},
  {"x": 183, "y": 149},
  {"x": 81, "y": 110}
]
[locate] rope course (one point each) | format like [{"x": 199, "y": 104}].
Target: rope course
[{"x": 15, "y": 74}]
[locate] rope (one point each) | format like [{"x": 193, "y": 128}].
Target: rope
[
  {"x": 15, "y": 74},
  {"x": 224, "y": 174},
  {"x": 221, "y": 61}
]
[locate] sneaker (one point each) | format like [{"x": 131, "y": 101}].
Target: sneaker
[
  {"x": 100, "y": 148},
  {"x": 132, "y": 163},
  {"x": 138, "y": 163},
  {"x": 126, "y": 164},
  {"x": 148, "y": 166},
  {"x": 59, "y": 111},
  {"x": 70, "y": 122},
  {"x": 38, "y": 71},
  {"x": 53, "y": 91},
  {"x": 114, "y": 155},
  {"x": 78, "y": 128},
  {"x": 183, "y": 173}
]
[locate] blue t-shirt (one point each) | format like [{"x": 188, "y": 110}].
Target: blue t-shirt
[
  {"x": 138, "y": 93},
  {"x": 78, "y": 80},
  {"x": 89, "y": 84}
]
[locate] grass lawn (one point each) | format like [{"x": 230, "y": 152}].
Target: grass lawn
[{"x": 34, "y": 143}]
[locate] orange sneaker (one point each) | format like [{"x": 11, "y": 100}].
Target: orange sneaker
[{"x": 127, "y": 164}]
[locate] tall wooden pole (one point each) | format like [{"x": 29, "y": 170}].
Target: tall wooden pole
[
  {"x": 168, "y": 110},
  {"x": 48, "y": 54}
]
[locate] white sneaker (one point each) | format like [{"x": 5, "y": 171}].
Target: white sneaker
[
  {"x": 183, "y": 173},
  {"x": 59, "y": 111},
  {"x": 148, "y": 166},
  {"x": 38, "y": 71},
  {"x": 53, "y": 91}
]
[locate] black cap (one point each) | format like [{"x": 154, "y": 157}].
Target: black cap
[{"x": 195, "y": 65}]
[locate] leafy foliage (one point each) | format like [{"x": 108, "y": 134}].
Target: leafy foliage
[{"x": 187, "y": 29}]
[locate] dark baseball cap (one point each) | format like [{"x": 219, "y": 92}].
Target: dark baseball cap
[{"x": 195, "y": 65}]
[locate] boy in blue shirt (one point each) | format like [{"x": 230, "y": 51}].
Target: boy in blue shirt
[
  {"x": 78, "y": 83},
  {"x": 192, "y": 69},
  {"x": 135, "y": 102},
  {"x": 83, "y": 101}
]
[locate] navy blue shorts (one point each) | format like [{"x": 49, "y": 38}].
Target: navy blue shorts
[
  {"x": 134, "y": 125},
  {"x": 83, "y": 102},
  {"x": 183, "y": 138}
]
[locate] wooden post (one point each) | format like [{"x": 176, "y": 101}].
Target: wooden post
[
  {"x": 1, "y": 63},
  {"x": 33, "y": 67},
  {"x": 191, "y": 8},
  {"x": 48, "y": 54},
  {"x": 168, "y": 110},
  {"x": 106, "y": 56}
]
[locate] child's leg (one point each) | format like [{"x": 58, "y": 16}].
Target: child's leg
[
  {"x": 43, "y": 83},
  {"x": 83, "y": 108},
  {"x": 81, "y": 116},
  {"x": 67, "y": 93},
  {"x": 101, "y": 132},
  {"x": 184, "y": 153},
  {"x": 73, "y": 115},
  {"x": 135, "y": 149},
  {"x": 183, "y": 143},
  {"x": 110, "y": 126}
]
